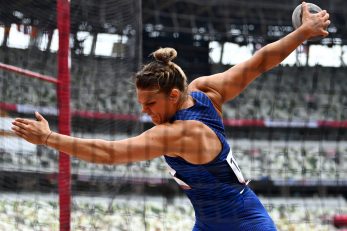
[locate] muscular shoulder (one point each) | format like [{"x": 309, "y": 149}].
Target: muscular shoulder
[
  {"x": 192, "y": 140},
  {"x": 203, "y": 84},
  {"x": 175, "y": 132}
]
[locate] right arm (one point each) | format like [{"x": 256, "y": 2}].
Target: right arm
[
  {"x": 103, "y": 151},
  {"x": 147, "y": 145},
  {"x": 171, "y": 139}
]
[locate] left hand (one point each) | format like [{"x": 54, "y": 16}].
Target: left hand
[
  {"x": 315, "y": 24},
  {"x": 35, "y": 132}
]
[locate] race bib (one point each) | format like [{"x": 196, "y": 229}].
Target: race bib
[{"x": 232, "y": 163}]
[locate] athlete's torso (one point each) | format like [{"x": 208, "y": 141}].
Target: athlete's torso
[{"x": 215, "y": 189}]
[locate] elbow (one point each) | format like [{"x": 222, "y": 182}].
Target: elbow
[
  {"x": 264, "y": 62},
  {"x": 269, "y": 58},
  {"x": 110, "y": 153},
  {"x": 102, "y": 153},
  {"x": 98, "y": 157},
  {"x": 106, "y": 159}
]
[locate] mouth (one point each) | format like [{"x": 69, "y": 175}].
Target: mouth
[{"x": 154, "y": 118}]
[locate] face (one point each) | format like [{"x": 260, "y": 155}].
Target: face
[{"x": 159, "y": 106}]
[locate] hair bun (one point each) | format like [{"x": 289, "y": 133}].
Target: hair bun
[{"x": 165, "y": 55}]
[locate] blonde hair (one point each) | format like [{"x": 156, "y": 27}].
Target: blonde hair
[{"x": 162, "y": 74}]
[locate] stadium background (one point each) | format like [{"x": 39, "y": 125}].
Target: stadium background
[{"x": 287, "y": 130}]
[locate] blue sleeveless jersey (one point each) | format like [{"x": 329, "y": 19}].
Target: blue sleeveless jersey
[{"x": 217, "y": 190}]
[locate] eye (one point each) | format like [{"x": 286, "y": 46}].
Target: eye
[{"x": 150, "y": 103}]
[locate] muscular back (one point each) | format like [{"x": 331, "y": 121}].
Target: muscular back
[{"x": 198, "y": 143}]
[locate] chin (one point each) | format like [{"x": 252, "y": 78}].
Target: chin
[{"x": 157, "y": 122}]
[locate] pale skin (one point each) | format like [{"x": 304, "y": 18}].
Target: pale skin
[{"x": 190, "y": 140}]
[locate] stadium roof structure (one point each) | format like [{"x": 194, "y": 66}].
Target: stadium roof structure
[
  {"x": 236, "y": 21},
  {"x": 251, "y": 21}
]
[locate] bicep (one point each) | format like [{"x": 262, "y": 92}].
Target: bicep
[
  {"x": 182, "y": 138},
  {"x": 134, "y": 149},
  {"x": 153, "y": 143}
]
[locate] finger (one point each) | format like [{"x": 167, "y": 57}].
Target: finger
[
  {"x": 304, "y": 8},
  {"x": 323, "y": 12},
  {"x": 327, "y": 23},
  {"x": 19, "y": 124},
  {"x": 17, "y": 133},
  {"x": 39, "y": 117},
  {"x": 22, "y": 135},
  {"x": 21, "y": 120},
  {"x": 18, "y": 129},
  {"x": 325, "y": 33},
  {"x": 326, "y": 16}
]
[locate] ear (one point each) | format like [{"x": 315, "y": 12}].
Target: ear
[{"x": 175, "y": 95}]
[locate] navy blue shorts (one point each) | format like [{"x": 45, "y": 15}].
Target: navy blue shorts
[{"x": 253, "y": 217}]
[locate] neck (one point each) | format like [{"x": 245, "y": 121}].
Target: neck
[{"x": 186, "y": 103}]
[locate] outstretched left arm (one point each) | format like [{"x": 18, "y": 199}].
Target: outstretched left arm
[{"x": 227, "y": 85}]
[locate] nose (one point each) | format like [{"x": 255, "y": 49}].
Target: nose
[{"x": 144, "y": 109}]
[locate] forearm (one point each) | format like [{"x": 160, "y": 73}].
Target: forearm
[
  {"x": 274, "y": 53},
  {"x": 91, "y": 150},
  {"x": 233, "y": 81}
]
